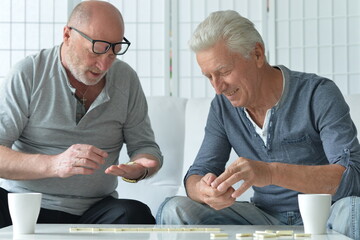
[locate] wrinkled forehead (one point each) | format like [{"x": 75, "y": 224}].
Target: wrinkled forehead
[{"x": 215, "y": 58}]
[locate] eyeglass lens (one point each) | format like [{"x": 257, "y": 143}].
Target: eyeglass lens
[{"x": 102, "y": 47}]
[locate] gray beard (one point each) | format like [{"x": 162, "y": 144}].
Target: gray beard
[{"x": 78, "y": 74}]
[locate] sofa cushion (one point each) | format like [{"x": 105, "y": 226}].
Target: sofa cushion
[
  {"x": 197, "y": 110},
  {"x": 167, "y": 115}
]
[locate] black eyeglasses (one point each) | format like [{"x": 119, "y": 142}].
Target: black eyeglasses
[{"x": 101, "y": 47}]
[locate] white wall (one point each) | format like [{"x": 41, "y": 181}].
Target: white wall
[
  {"x": 147, "y": 28},
  {"x": 321, "y": 36},
  {"x": 28, "y": 26}
]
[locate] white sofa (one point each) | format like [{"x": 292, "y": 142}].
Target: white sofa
[{"x": 179, "y": 124}]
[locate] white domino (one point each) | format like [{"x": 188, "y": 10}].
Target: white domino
[
  {"x": 218, "y": 235},
  {"x": 150, "y": 229},
  {"x": 302, "y": 235},
  {"x": 243, "y": 235}
]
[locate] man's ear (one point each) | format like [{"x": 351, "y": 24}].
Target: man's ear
[
  {"x": 259, "y": 54},
  {"x": 66, "y": 34}
]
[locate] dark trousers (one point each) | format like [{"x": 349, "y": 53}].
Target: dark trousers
[{"x": 107, "y": 211}]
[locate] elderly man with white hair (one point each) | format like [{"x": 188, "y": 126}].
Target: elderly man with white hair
[{"x": 292, "y": 133}]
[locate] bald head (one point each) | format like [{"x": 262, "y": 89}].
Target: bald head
[{"x": 96, "y": 14}]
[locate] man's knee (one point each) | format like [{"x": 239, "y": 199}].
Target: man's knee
[
  {"x": 171, "y": 203},
  {"x": 118, "y": 211},
  {"x": 170, "y": 209},
  {"x": 180, "y": 210},
  {"x": 137, "y": 212},
  {"x": 345, "y": 217},
  {"x": 5, "y": 219}
]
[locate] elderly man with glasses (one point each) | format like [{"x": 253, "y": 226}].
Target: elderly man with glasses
[{"x": 65, "y": 114}]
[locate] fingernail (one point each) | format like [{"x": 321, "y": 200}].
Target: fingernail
[{"x": 220, "y": 187}]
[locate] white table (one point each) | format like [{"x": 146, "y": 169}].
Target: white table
[{"x": 62, "y": 231}]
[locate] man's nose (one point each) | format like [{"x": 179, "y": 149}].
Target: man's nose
[{"x": 105, "y": 60}]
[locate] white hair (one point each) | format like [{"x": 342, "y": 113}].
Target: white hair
[{"x": 238, "y": 32}]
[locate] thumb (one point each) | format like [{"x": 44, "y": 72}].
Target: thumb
[{"x": 209, "y": 178}]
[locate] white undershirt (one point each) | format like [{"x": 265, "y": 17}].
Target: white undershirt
[{"x": 263, "y": 132}]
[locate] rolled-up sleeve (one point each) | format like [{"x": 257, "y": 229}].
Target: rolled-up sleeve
[
  {"x": 339, "y": 138},
  {"x": 350, "y": 182}
]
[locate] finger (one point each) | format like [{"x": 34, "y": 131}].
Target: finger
[
  {"x": 98, "y": 152},
  {"x": 221, "y": 178},
  {"x": 222, "y": 201},
  {"x": 115, "y": 170},
  {"x": 147, "y": 163},
  {"x": 229, "y": 177},
  {"x": 227, "y": 183},
  {"x": 210, "y": 191},
  {"x": 128, "y": 167},
  {"x": 237, "y": 166},
  {"x": 132, "y": 171},
  {"x": 91, "y": 156},
  {"x": 85, "y": 163},
  {"x": 206, "y": 189},
  {"x": 82, "y": 149},
  {"x": 209, "y": 178},
  {"x": 243, "y": 187}
]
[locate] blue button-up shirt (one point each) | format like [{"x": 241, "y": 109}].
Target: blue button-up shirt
[{"x": 310, "y": 125}]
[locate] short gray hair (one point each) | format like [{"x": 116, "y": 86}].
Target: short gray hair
[{"x": 238, "y": 32}]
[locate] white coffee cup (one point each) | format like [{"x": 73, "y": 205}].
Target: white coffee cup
[
  {"x": 24, "y": 211},
  {"x": 315, "y": 211}
]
